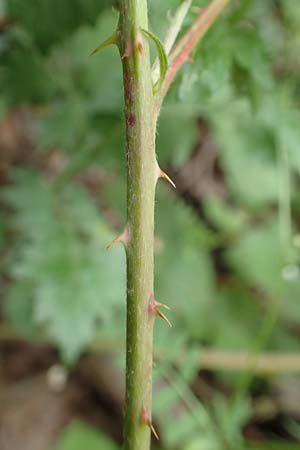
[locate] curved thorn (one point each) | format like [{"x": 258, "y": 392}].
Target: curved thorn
[
  {"x": 111, "y": 243},
  {"x": 124, "y": 238},
  {"x": 147, "y": 421},
  {"x": 154, "y": 431},
  {"x": 162, "y": 174},
  {"x": 162, "y": 305},
  {"x": 113, "y": 39},
  {"x": 164, "y": 317},
  {"x": 154, "y": 311}
]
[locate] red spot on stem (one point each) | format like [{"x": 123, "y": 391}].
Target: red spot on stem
[
  {"x": 131, "y": 120},
  {"x": 128, "y": 50},
  {"x": 139, "y": 43},
  {"x": 128, "y": 88}
]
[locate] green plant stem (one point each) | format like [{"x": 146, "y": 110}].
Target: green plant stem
[
  {"x": 141, "y": 180},
  {"x": 141, "y": 111}
]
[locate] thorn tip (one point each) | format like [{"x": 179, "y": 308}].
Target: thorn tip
[
  {"x": 124, "y": 238},
  {"x": 164, "y": 317},
  {"x": 113, "y": 39},
  {"x": 153, "y": 309},
  {"x": 162, "y": 174},
  {"x": 147, "y": 421}
]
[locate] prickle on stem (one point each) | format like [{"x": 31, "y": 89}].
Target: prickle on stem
[
  {"x": 162, "y": 174},
  {"x": 154, "y": 311},
  {"x": 112, "y": 40},
  {"x": 124, "y": 238},
  {"x": 145, "y": 418}
]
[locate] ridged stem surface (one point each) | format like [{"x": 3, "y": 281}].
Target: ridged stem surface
[{"x": 141, "y": 180}]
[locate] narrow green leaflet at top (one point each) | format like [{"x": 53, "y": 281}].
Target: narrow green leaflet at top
[{"x": 163, "y": 59}]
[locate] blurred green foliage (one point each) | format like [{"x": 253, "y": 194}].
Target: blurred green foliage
[
  {"x": 79, "y": 435},
  {"x": 244, "y": 84}
]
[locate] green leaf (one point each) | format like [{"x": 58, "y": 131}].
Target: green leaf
[
  {"x": 97, "y": 80},
  {"x": 51, "y": 21},
  {"x": 184, "y": 273},
  {"x": 250, "y": 55},
  {"x": 257, "y": 256},
  {"x": 176, "y": 402},
  {"x": 158, "y": 13},
  {"x": 231, "y": 420},
  {"x": 25, "y": 77},
  {"x": 174, "y": 143},
  {"x": 271, "y": 445},
  {"x": 162, "y": 56},
  {"x": 248, "y": 153},
  {"x": 226, "y": 218},
  {"x": 71, "y": 282},
  {"x": 78, "y": 436}
]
